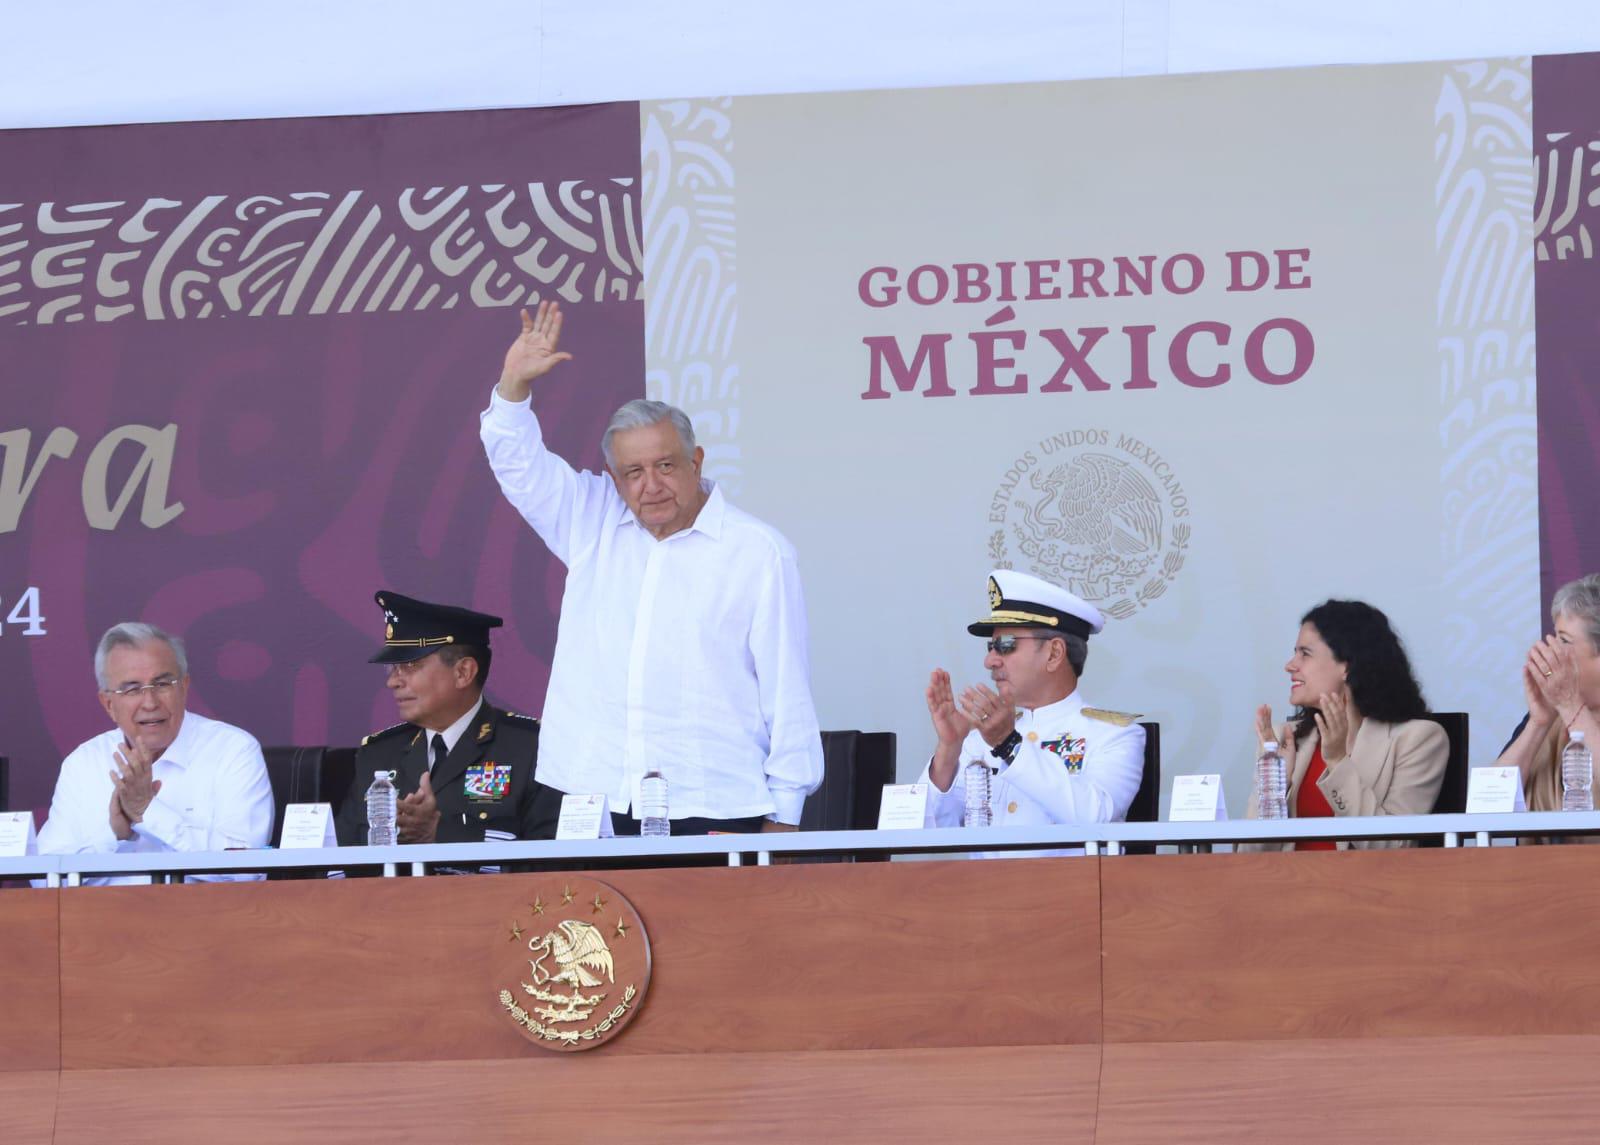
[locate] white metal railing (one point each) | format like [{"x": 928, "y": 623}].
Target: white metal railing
[{"x": 1096, "y": 839}]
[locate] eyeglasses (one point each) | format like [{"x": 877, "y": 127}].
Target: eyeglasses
[
  {"x": 157, "y": 688},
  {"x": 407, "y": 667},
  {"x": 1006, "y": 645}
]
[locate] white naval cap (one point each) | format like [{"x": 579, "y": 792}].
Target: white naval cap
[{"x": 1017, "y": 599}]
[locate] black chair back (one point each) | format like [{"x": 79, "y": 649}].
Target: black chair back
[
  {"x": 1146, "y": 805},
  {"x": 307, "y": 775},
  {"x": 856, "y": 765},
  {"x": 875, "y": 767},
  {"x": 1453, "y": 791},
  {"x": 5, "y": 784},
  {"x": 828, "y": 807}
]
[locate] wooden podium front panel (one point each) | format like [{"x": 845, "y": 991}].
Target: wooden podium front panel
[
  {"x": 806, "y": 957},
  {"x": 1031, "y": 1093},
  {"x": 28, "y": 1106},
  {"x": 1352, "y": 944},
  {"x": 1377, "y": 1091},
  {"x": 30, "y": 1031}
]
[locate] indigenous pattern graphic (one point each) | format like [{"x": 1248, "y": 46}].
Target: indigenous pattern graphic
[
  {"x": 1485, "y": 195},
  {"x": 320, "y": 252}
]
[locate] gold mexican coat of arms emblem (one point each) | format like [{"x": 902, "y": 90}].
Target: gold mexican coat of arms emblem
[{"x": 572, "y": 965}]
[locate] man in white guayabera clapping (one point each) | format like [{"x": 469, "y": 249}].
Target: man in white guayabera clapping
[
  {"x": 682, "y": 639},
  {"x": 163, "y": 778}
]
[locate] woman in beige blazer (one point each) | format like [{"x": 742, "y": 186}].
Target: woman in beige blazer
[{"x": 1359, "y": 739}]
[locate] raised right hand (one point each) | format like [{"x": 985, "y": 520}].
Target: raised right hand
[
  {"x": 950, "y": 723},
  {"x": 1283, "y": 737},
  {"x": 534, "y": 352},
  {"x": 1264, "y": 729}
]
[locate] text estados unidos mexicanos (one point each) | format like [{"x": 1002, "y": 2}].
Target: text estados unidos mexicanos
[{"x": 1073, "y": 351}]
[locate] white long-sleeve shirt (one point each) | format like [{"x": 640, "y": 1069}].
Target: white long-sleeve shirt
[
  {"x": 686, "y": 654},
  {"x": 214, "y": 796}
]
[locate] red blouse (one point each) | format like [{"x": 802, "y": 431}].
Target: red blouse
[{"x": 1310, "y": 803}]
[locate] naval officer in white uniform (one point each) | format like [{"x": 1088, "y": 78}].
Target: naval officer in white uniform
[{"x": 1054, "y": 759}]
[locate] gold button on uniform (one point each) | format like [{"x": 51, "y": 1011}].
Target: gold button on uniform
[
  {"x": 1033, "y": 736},
  {"x": 1011, "y": 808},
  {"x": 483, "y": 815}
]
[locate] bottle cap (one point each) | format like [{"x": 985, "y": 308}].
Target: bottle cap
[
  {"x": 1270, "y": 745},
  {"x": 1577, "y": 736}
]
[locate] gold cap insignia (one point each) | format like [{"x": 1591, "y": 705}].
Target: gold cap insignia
[
  {"x": 388, "y": 632},
  {"x": 995, "y": 597},
  {"x": 579, "y": 979}
]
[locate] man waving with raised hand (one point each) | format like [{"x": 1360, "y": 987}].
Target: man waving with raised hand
[{"x": 682, "y": 638}]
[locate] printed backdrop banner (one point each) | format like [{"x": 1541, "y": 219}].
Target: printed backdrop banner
[
  {"x": 243, "y": 364},
  {"x": 1206, "y": 349}
]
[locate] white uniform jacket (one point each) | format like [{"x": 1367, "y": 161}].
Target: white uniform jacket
[{"x": 1072, "y": 767}]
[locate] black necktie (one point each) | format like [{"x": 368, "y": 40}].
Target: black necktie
[{"x": 438, "y": 750}]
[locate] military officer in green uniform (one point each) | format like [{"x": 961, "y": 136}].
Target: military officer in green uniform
[
  {"x": 1052, "y": 757},
  {"x": 464, "y": 769}
]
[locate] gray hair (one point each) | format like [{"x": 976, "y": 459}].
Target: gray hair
[
  {"x": 1580, "y": 599},
  {"x": 1077, "y": 647},
  {"x": 641, "y": 413},
  {"x": 135, "y": 634},
  {"x": 1077, "y": 652}
]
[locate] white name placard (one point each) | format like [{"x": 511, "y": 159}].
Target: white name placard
[
  {"x": 584, "y": 817},
  {"x": 307, "y": 825},
  {"x": 904, "y": 806},
  {"x": 1197, "y": 799},
  {"x": 17, "y": 836},
  {"x": 1495, "y": 789}
]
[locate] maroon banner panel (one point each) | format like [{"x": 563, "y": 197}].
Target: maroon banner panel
[
  {"x": 243, "y": 366},
  {"x": 1566, "y": 141}
]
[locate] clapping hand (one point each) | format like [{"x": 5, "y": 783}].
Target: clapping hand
[
  {"x": 1337, "y": 724},
  {"x": 133, "y": 786},
  {"x": 992, "y": 713},
  {"x": 1266, "y": 733},
  {"x": 1540, "y": 710},
  {"x": 1556, "y": 676},
  {"x": 417, "y": 815},
  {"x": 534, "y": 353},
  {"x": 120, "y": 827},
  {"x": 950, "y": 723}
]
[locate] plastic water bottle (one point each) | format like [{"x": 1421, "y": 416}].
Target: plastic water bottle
[
  {"x": 975, "y": 775},
  {"x": 653, "y": 818},
  {"x": 1577, "y": 776},
  {"x": 381, "y": 799},
  {"x": 1272, "y": 784}
]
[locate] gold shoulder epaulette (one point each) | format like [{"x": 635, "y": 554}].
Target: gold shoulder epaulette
[
  {"x": 384, "y": 734},
  {"x": 525, "y": 721},
  {"x": 1104, "y": 715}
]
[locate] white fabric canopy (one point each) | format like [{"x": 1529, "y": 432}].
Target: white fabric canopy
[{"x": 107, "y": 61}]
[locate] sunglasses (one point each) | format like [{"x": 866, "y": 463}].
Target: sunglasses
[{"x": 1006, "y": 645}]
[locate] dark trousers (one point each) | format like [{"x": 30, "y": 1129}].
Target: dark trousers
[{"x": 628, "y": 825}]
